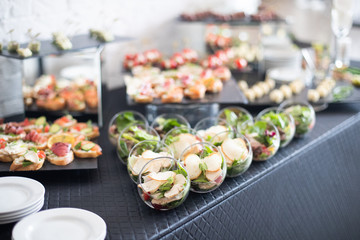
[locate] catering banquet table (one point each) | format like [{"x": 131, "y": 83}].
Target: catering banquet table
[{"x": 308, "y": 190}]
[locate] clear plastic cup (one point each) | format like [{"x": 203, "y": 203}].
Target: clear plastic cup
[
  {"x": 303, "y": 114},
  {"x": 235, "y": 116},
  {"x": 205, "y": 165},
  {"x": 142, "y": 153},
  {"x": 236, "y": 150},
  {"x": 282, "y": 120},
  {"x": 132, "y": 135},
  {"x": 209, "y": 127},
  {"x": 167, "y": 121},
  {"x": 180, "y": 138},
  {"x": 114, "y": 130},
  {"x": 166, "y": 189},
  {"x": 264, "y": 139}
]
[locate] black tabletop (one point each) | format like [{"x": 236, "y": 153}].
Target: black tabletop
[{"x": 109, "y": 192}]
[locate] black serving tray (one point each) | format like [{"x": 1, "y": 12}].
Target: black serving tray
[
  {"x": 77, "y": 164},
  {"x": 79, "y": 42},
  {"x": 231, "y": 94}
]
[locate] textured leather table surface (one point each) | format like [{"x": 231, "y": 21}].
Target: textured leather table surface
[{"x": 309, "y": 190}]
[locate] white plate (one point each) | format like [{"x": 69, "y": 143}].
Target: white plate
[
  {"x": 19, "y": 193},
  {"x": 284, "y": 74},
  {"x": 19, "y": 217},
  {"x": 59, "y": 224},
  {"x": 22, "y": 213}
]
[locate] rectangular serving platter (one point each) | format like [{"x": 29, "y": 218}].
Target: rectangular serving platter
[
  {"x": 230, "y": 94},
  {"x": 252, "y": 78},
  {"x": 77, "y": 164},
  {"x": 79, "y": 42}
]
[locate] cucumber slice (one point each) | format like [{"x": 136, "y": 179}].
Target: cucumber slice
[
  {"x": 86, "y": 130},
  {"x": 55, "y": 128},
  {"x": 40, "y": 121},
  {"x": 88, "y": 146}
]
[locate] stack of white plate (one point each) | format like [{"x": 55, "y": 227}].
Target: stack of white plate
[
  {"x": 285, "y": 74},
  {"x": 19, "y": 198},
  {"x": 61, "y": 224},
  {"x": 282, "y": 57}
]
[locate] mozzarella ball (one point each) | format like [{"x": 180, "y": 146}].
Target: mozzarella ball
[
  {"x": 265, "y": 87},
  {"x": 243, "y": 85},
  {"x": 250, "y": 94},
  {"x": 276, "y": 96},
  {"x": 270, "y": 82},
  {"x": 313, "y": 95},
  {"x": 323, "y": 92},
  {"x": 286, "y": 90},
  {"x": 258, "y": 91},
  {"x": 297, "y": 86}
]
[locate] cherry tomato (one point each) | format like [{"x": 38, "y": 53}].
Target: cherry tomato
[
  {"x": 46, "y": 128},
  {"x": 41, "y": 154},
  {"x": 146, "y": 197},
  {"x": 129, "y": 56},
  {"x": 65, "y": 119},
  {"x": 240, "y": 63},
  {"x": 2, "y": 143},
  {"x": 26, "y": 122},
  {"x": 222, "y": 55}
]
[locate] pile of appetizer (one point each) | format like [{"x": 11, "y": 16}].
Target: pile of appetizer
[
  {"x": 263, "y": 14},
  {"x": 171, "y": 86},
  {"x": 54, "y": 94},
  {"x": 168, "y": 158},
  {"x": 27, "y": 144}
]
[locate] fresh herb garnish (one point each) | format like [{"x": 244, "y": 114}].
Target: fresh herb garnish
[
  {"x": 124, "y": 120},
  {"x": 34, "y": 149},
  {"x": 201, "y": 179},
  {"x": 207, "y": 151},
  {"x": 167, "y": 186},
  {"x": 203, "y": 167},
  {"x": 26, "y": 163},
  {"x": 78, "y": 146},
  {"x": 168, "y": 124}
]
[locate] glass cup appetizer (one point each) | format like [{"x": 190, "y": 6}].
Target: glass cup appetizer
[
  {"x": 264, "y": 139},
  {"x": 209, "y": 127},
  {"x": 120, "y": 121},
  {"x": 205, "y": 165},
  {"x": 167, "y": 121},
  {"x": 282, "y": 120},
  {"x": 180, "y": 138},
  {"x": 142, "y": 153},
  {"x": 236, "y": 150},
  {"x": 166, "y": 188},
  {"x": 235, "y": 116},
  {"x": 132, "y": 135},
  {"x": 303, "y": 114}
]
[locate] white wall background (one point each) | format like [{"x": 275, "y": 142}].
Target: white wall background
[{"x": 151, "y": 22}]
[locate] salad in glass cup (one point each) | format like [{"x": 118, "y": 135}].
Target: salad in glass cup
[
  {"x": 167, "y": 187},
  {"x": 209, "y": 127},
  {"x": 235, "y": 116},
  {"x": 303, "y": 114},
  {"x": 264, "y": 139},
  {"x": 122, "y": 120},
  {"x": 205, "y": 165},
  {"x": 131, "y": 136},
  {"x": 180, "y": 138},
  {"x": 236, "y": 150},
  {"x": 145, "y": 151},
  {"x": 165, "y": 122},
  {"x": 282, "y": 120}
]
